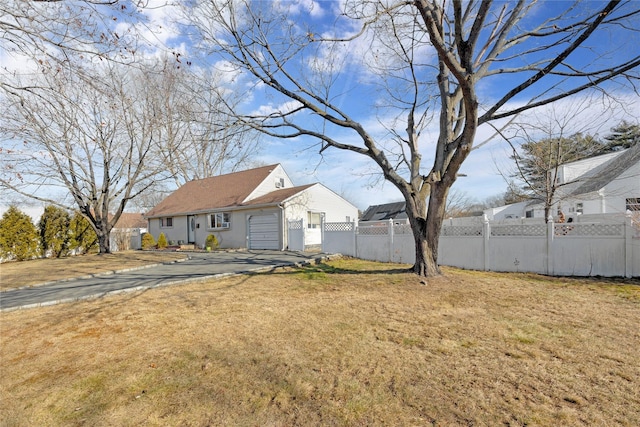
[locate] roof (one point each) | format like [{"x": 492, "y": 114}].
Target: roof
[
  {"x": 394, "y": 210},
  {"x": 222, "y": 191},
  {"x": 603, "y": 174},
  {"x": 277, "y": 196},
  {"x": 131, "y": 220}
]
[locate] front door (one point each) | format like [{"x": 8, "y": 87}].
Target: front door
[{"x": 191, "y": 228}]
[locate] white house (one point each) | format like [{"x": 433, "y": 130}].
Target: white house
[
  {"x": 606, "y": 184},
  {"x": 247, "y": 209}
]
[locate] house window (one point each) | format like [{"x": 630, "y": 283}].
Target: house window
[
  {"x": 579, "y": 208},
  {"x": 528, "y": 214},
  {"x": 166, "y": 222},
  {"x": 314, "y": 219},
  {"x": 633, "y": 204},
  {"x": 280, "y": 183},
  {"x": 218, "y": 220}
]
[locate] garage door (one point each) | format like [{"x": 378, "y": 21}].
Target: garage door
[{"x": 264, "y": 232}]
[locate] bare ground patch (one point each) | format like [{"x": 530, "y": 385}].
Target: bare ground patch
[
  {"x": 26, "y": 273},
  {"x": 343, "y": 343}
]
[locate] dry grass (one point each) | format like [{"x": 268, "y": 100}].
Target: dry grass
[
  {"x": 26, "y": 273},
  {"x": 346, "y": 343}
]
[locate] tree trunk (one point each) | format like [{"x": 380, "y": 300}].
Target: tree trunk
[
  {"x": 103, "y": 242},
  {"x": 426, "y": 234},
  {"x": 426, "y": 261}
]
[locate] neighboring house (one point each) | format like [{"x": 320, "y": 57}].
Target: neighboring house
[
  {"x": 606, "y": 184},
  {"x": 127, "y": 232},
  {"x": 248, "y": 209},
  {"x": 394, "y": 211}
]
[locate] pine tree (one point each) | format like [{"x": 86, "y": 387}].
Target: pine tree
[
  {"x": 54, "y": 231},
  {"x": 623, "y": 136},
  {"x": 18, "y": 236}
]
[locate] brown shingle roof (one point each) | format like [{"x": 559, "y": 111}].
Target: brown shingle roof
[
  {"x": 131, "y": 220},
  {"x": 217, "y": 192},
  {"x": 277, "y": 196}
]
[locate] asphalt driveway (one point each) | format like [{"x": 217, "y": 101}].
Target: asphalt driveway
[{"x": 199, "y": 266}]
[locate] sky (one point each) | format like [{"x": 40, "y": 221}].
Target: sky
[{"x": 354, "y": 176}]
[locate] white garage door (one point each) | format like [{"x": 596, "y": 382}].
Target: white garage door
[{"x": 264, "y": 232}]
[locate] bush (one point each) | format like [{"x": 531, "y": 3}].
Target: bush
[
  {"x": 148, "y": 241},
  {"x": 162, "y": 241},
  {"x": 83, "y": 236},
  {"x": 212, "y": 242},
  {"x": 18, "y": 236},
  {"x": 54, "y": 231}
]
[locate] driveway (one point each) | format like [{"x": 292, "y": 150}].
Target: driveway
[{"x": 199, "y": 267}]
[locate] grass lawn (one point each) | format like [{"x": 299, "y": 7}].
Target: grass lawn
[{"x": 343, "y": 343}]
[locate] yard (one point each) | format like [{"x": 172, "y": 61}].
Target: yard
[{"x": 344, "y": 343}]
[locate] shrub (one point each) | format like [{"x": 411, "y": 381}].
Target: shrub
[
  {"x": 83, "y": 236},
  {"x": 148, "y": 241},
  {"x": 54, "y": 231},
  {"x": 162, "y": 241},
  {"x": 18, "y": 236},
  {"x": 212, "y": 242}
]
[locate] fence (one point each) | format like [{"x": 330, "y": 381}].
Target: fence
[{"x": 609, "y": 247}]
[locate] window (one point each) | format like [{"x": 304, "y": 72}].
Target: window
[
  {"x": 166, "y": 222},
  {"x": 218, "y": 220},
  {"x": 633, "y": 204},
  {"x": 528, "y": 214},
  {"x": 280, "y": 183},
  {"x": 314, "y": 219},
  {"x": 579, "y": 208}
]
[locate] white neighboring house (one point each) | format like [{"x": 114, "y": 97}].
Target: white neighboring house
[
  {"x": 127, "y": 232},
  {"x": 606, "y": 184},
  {"x": 247, "y": 209}
]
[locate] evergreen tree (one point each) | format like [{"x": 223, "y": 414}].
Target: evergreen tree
[
  {"x": 54, "y": 231},
  {"x": 162, "y": 241},
  {"x": 623, "y": 136},
  {"x": 18, "y": 236},
  {"x": 539, "y": 161},
  {"x": 83, "y": 237}
]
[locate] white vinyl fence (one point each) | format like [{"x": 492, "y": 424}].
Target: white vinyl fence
[{"x": 607, "y": 247}]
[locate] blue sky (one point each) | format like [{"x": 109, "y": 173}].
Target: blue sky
[{"x": 352, "y": 175}]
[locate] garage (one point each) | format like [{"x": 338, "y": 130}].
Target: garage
[{"x": 264, "y": 232}]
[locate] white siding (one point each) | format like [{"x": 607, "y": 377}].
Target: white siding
[
  {"x": 269, "y": 184},
  {"x": 319, "y": 198}
]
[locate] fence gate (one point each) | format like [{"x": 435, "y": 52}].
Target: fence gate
[{"x": 295, "y": 236}]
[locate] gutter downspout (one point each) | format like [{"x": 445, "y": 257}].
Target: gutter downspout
[{"x": 603, "y": 203}]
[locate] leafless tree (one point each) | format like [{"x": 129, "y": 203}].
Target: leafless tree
[
  {"x": 203, "y": 137},
  {"x": 49, "y": 34},
  {"x": 550, "y": 138},
  {"x": 84, "y": 144},
  {"x": 435, "y": 60}
]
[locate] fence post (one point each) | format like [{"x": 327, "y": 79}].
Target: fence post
[
  {"x": 628, "y": 245},
  {"x": 390, "y": 231},
  {"x": 486, "y": 235},
  {"x": 355, "y": 238},
  {"x": 550, "y": 238}
]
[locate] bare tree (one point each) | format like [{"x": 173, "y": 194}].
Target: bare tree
[
  {"x": 84, "y": 144},
  {"x": 53, "y": 33},
  {"x": 549, "y": 139},
  {"x": 431, "y": 59},
  {"x": 202, "y": 136}
]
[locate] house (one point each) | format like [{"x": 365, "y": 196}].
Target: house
[
  {"x": 248, "y": 209},
  {"x": 127, "y": 232},
  {"x": 389, "y": 211},
  {"x": 606, "y": 184}
]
